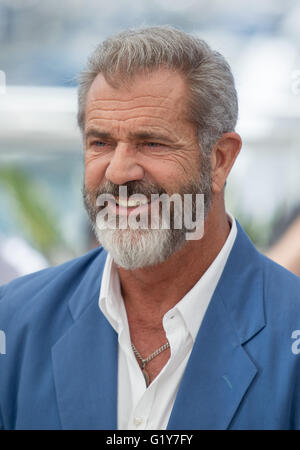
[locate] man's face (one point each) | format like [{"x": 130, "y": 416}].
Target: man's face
[{"x": 139, "y": 136}]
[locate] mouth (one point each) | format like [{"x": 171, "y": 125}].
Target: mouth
[{"x": 126, "y": 206}]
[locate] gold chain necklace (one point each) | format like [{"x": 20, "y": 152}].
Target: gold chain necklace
[{"x": 144, "y": 361}]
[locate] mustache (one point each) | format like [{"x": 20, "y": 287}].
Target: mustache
[{"x": 133, "y": 187}]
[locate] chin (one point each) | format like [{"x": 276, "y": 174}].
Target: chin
[{"x": 138, "y": 249}]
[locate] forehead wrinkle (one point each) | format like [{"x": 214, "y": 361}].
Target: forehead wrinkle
[
  {"x": 128, "y": 119},
  {"x": 151, "y": 111},
  {"x": 161, "y": 98},
  {"x": 162, "y": 84},
  {"x": 134, "y": 113},
  {"x": 138, "y": 97},
  {"x": 130, "y": 109},
  {"x": 146, "y": 111},
  {"x": 141, "y": 119},
  {"x": 112, "y": 105},
  {"x": 128, "y": 105},
  {"x": 166, "y": 105}
]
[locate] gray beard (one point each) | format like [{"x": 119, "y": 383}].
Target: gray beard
[
  {"x": 135, "y": 249},
  {"x": 138, "y": 248}
]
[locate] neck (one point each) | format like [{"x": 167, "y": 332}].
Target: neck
[{"x": 151, "y": 291}]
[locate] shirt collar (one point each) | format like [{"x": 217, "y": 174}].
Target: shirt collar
[
  {"x": 110, "y": 299},
  {"x": 192, "y": 306}
]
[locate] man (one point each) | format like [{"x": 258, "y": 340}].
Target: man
[{"x": 164, "y": 330}]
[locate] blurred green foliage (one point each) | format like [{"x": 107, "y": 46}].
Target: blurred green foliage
[
  {"x": 31, "y": 209},
  {"x": 260, "y": 232}
]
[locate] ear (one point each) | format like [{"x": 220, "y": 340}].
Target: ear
[{"x": 223, "y": 155}]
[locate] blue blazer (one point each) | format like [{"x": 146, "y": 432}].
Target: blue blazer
[{"x": 60, "y": 366}]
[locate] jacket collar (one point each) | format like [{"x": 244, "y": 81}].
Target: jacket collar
[
  {"x": 219, "y": 371},
  {"x": 85, "y": 359}
]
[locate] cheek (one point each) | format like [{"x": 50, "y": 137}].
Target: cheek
[
  {"x": 165, "y": 173},
  {"x": 178, "y": 168},
  {"x": 94, "y": 171}
]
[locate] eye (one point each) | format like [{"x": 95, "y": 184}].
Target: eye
[
  {"x": 153, "y": 144},
  {"x": 99, "y": 144}
]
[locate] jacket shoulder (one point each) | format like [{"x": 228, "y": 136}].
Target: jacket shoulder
[{"x": 31, "y": 291}]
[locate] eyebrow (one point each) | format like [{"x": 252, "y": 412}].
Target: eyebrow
[
  {"x": 147, "y": 135},
  {"x": 98, "y": 134}
]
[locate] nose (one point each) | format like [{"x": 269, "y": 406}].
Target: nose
[{"x": 123, "y": 166}]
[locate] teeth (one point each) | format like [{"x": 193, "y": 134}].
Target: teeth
[
  {"x": 131, "y": 203},
  {"x": 137, "y": 202},
  {"x": 122, "y": 202}
]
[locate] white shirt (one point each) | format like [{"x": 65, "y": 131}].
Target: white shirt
[{"x": 139, "y": 407}]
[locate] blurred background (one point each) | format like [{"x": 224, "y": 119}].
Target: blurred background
[{"x": 43, "y": 46}]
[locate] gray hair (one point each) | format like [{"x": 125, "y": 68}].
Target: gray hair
[{"x": 212, "y": 101}]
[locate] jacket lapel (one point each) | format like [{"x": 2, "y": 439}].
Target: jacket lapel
[
  {"x": 219, "y": 371},
  {"x": 85, "y": 361}
]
